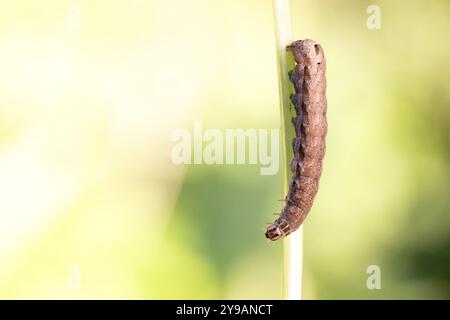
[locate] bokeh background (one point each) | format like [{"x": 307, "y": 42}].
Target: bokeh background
[{"x": 87, "y": 183}]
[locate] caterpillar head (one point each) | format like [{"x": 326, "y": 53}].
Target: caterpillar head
[
  {"x": 308, "y": 53},
  {"x": 277, "y": 230}
]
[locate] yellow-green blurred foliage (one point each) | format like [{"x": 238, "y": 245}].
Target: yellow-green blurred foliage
[{"x": 86, "y": 179}]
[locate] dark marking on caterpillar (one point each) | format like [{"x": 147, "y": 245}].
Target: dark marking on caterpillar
[{"x": 310, "y": 125}]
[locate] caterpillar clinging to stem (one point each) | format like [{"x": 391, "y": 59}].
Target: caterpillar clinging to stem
[{"x": 308, "y": 145}]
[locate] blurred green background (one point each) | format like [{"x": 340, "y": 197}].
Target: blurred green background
[{"x": 87, "y": 183}]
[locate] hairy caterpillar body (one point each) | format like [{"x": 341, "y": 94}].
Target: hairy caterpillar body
[{"x": 311, "y": 127}]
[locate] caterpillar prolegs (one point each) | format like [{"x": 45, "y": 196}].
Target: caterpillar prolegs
[{"x": 308, "y": 145}]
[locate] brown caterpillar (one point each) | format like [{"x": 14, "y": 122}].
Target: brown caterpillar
[{"x": 310, "y": 129}]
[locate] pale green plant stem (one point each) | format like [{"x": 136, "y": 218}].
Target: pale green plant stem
[{"x": 293, "y": 244}]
